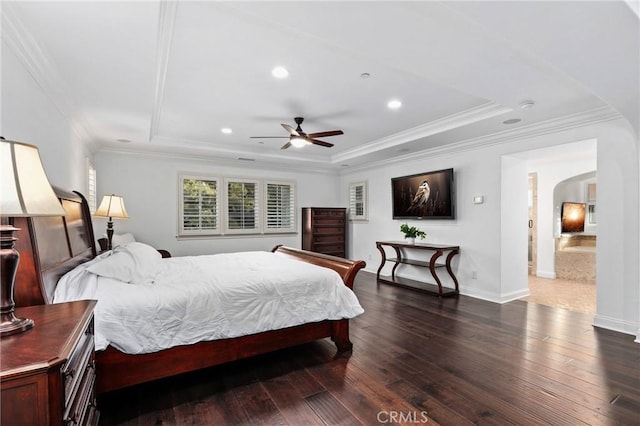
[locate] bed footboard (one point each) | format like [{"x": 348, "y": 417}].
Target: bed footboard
[{"x": 347, "y": 269}]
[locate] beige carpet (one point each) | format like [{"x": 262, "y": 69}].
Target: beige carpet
[{"x": 570, "y": 295}]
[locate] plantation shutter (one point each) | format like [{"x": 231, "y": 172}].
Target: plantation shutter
[
  {"x": 199, "y": 206},
  {"x": 280, "y": 207},
  {"x": 92, "y": 184},
  {"x": 243, "y": 207},
  {"x": 358, "y": 201}
]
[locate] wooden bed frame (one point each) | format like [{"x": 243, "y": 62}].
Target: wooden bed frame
[{"x": 51, "y": 246}]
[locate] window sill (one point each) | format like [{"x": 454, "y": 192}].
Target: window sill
[{"x": 232, "y": 236}]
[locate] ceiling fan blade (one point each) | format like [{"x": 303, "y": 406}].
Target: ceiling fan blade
[
  {"x": 290, "y": 129},
  {"x": 286, "y": 145},
  {"x": 327, "y": 133},
  {"x": 321, "y": 143},
  {"x": 268, "y": 137}
]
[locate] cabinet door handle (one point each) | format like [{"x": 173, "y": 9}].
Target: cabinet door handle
[{"x": 530, "y": 223}]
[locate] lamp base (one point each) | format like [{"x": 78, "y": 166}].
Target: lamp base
[
  {"x": 9, "y": 258},
  {"x": 10, "y": 324}
]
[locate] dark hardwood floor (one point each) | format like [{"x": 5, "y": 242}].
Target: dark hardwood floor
[{"x": 416, "y": 359}]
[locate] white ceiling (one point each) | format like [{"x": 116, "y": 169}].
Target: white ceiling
[{"x": 168, "y": 76}]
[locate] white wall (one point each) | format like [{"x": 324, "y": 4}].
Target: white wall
[
  {"x": 29, "y": 115},
  {"x": 149, "y": 186},
  {"x": 476, "y": 173},
  {"x": 491, "y": 242}
]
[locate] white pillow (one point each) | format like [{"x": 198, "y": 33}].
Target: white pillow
[
  {"x": 122, "y": 239},
  {"x": 144, "y": 254},
  {"x": 134, "y": 263}
]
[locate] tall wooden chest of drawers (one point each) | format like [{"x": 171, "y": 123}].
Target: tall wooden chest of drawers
[
  {"x": 48, "y": 373},
  {"x": 324, "y": 230}
]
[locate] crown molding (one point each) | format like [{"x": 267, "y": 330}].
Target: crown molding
[
  {"x": 462, "y": 118},
  {"x": 567, "y": 122},
  {"x": 43, "y": 71},
  {"x": 35, "y": 60},
  {"x": 166, "y": 21},
  {"x": 227, "y": 158}
]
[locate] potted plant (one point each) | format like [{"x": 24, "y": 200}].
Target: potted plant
[{"x": 411, "y": 233}]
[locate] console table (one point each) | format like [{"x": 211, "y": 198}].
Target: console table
[{"x": 437, "y": 250}]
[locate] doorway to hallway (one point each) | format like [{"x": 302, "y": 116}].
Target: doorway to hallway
[{"x": 560, "y": 293}]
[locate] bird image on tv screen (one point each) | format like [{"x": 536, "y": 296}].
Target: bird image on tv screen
[{"x": 423, "y": 196}]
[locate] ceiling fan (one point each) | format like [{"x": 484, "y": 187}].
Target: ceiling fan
[{"x": 298, "y": 138}]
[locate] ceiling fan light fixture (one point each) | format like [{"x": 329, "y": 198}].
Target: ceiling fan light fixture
[{"x": 298, "y": 142}]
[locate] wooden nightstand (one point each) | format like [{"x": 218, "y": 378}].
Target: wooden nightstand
[{"x": 48, "y": 373}]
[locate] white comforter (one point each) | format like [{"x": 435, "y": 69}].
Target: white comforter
[{"x": 198, "y": 298}]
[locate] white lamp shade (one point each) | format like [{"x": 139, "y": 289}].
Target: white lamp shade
[
  {"x": 24, "y": 187},
  {"x": 112, "y": 206}
]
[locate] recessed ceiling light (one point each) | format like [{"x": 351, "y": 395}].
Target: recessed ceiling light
[
  {"x": 365, "y": 75},
  {"x": 344, "y": 165},
  {"x": 512, "y": 121},
  {"x": 527, "y": 104},
  {"x": 280, "y": 72},
  {"x": 123, "y": 140},
  {"x": 402, "y": 150},
  {"x": 394, "y": 104},
  {"x": 226, "y": 130}
]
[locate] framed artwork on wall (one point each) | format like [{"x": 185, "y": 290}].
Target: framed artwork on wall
[{"x": 573, "y": 215}]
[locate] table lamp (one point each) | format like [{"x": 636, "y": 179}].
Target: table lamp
[
  {"x": 111, "y": 206},
  {"x": 24, "y": 192}
]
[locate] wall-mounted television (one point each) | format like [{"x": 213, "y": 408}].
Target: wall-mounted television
[
  {"x": 573, "y": 217},
  {"x": 428, "y": 195}
]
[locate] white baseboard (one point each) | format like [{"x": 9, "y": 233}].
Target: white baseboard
[
  {"x": 494, "y": 297},
  {"x": 514, "y": 295},
  {"x": 618, "y": 325},
  {"x": 546, "y": 274}
]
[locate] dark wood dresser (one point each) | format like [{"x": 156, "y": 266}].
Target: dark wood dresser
[
  {"x": 324, "y": 230},
  {"x": 48, "y": 372}
]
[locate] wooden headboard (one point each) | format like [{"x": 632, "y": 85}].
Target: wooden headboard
[{"x": 50, "y": 247}]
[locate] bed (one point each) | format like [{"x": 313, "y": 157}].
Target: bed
[{"x": 51, "y": 247}]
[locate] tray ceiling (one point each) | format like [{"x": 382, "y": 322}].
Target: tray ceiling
[{"x": 168, "y": 76}]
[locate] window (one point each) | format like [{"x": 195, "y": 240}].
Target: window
[
  {"x": 243, "y": 206},
  {"x": 280, "y": 213},
  {"x": 92, "y": 185},
  {"x": 358, "y": 201},
  {"x": 199, "y": 206},
  {"x": 227, "y": 206}
]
